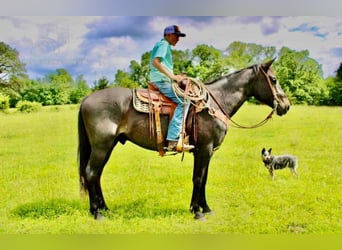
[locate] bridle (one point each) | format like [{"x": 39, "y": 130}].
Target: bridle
[
  {"x": 275, "y": 104},
  {"x": 268, "y": 117},
  {"x": 274, "y": 93}
]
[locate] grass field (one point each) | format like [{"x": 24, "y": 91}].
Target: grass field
[{"x": 39, "y": 189}]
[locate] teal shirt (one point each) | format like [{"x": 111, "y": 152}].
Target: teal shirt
[{"x": 161, "y": 49}]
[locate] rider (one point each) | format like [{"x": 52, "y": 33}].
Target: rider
[{"x": 162, "y": 76}]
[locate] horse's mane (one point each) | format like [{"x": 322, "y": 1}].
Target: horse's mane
[{"x": 255, "y": 67}]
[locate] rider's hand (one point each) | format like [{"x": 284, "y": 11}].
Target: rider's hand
[{"x": 178, "y": 78}]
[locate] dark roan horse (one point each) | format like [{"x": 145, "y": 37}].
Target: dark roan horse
[{"x": 107, "y": 117}]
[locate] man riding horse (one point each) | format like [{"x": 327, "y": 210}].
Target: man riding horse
[{"x": 162, "y": 75}]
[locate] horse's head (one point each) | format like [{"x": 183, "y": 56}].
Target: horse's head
[{"x": 269, "y": 91}]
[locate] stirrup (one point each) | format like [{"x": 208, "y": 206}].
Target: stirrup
[
  {"x": 170, "y": 149},
  {"x": 182, "y": 146},
  {"x": 178, "y": 147},
  {"x": 171, "y": 146}
]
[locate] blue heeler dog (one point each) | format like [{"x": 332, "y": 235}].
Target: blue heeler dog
[{"x": 278, "y": 162}]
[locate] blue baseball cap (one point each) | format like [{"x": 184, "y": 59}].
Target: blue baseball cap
[{"x": 173, "y": 29}]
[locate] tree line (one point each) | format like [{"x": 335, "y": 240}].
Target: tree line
[{"x": 300, "y": 76}]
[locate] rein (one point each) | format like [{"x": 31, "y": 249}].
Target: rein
[{"x": 263, "y": 122}]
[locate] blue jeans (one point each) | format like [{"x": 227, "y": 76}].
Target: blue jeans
[{"x": 175, "y": 126}]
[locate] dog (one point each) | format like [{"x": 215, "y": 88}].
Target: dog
[{"x": 279, "y": 162}]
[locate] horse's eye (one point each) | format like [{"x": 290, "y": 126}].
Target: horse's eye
[{"x": 273, "y": 79}]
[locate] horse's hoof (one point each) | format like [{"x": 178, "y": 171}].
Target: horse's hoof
[
  {"x": 206, "y": 210},
  {"x": 98, "y": 216},
  {"x": 209, "y": 212},
  {"x": 199, "y": 216}
]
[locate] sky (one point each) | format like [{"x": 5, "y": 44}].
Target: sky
[{"x": 97, "y": 46}]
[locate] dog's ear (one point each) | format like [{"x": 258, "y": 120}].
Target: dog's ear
[
  {"x": 270, "y": 150},
  {"x": 263, "y": 150}
]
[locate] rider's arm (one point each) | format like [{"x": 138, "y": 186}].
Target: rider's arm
[{"x": 157, "y": 63}]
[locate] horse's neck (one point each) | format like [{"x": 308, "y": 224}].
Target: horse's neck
[{"x": 230, "y": 96}]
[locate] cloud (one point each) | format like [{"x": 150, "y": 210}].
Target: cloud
[
  {"x": 106, "y": 27},
  {"x": 267, "y": 25},
  {"x": 99, "y": 46},
  {"x": 337, "y": 52},
  {"x": 304, "y": 28},
  {"x": 270, "y": 25},
  {"x": 197, "y": 20},
  {"x": 315, "y": 30},
  {"x": 171, "y": 8},
  {"x": 249, "y": 19}
]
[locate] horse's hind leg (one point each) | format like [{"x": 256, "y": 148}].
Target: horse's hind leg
[{"x": 97, "y": 161}]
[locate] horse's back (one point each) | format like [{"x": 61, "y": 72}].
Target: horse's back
[{"x": 108, "y": 97}]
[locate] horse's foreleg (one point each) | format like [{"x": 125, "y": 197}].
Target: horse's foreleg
[
  {"x": 202, "y": 200},
  {"x": 199, "y": 179}
]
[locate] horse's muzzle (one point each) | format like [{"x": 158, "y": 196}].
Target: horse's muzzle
[{"x": 283, "y": 106}]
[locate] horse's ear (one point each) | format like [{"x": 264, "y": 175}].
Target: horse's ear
[{"x": 268, "y": 64}]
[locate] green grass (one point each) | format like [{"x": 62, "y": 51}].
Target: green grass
[{"x": 39, "y": 189}]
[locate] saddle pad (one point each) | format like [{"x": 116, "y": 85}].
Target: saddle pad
[{"x": 140, "y": 105}]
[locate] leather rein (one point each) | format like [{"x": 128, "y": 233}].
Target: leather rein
[{"x": 263, "y": 122}]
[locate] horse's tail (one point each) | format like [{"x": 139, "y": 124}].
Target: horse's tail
[{"x": 84, "y": 151}]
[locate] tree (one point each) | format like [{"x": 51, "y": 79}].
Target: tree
[
  {"x": 208, "y": 63},
  {"x": 102, "y": 83},
  {"x": 79, "y": 91},
  {"x": 12, "y": 73},
  {"x": 182, "y": 62},
  {"x": 334, "y": 86},
  {"x": 300, "y": 76},
  {"x": 140, "y": 72},
  {"x": 55, "y": 89},
  {"x": 240, "y": 55},
  {"x": 61, "y": 78},
  {"x": 10, "y": 66},
  {"x": 339, "y": 73},
  {"x": 124, "y": 79},
  {"x": 61, "y": 84},
  {"x": 39, "y": 92}
]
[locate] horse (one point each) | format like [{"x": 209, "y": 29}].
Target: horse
[{"x": 107, "y": 117}]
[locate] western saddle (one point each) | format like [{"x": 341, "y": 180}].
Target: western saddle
[{"x": 153, "y": 102}]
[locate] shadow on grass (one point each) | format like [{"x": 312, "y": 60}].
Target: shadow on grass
[
  {"x": 47, "y": 209},
  {"x": 55, "y": 208},
  {"x": 143, "y": 208}
]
